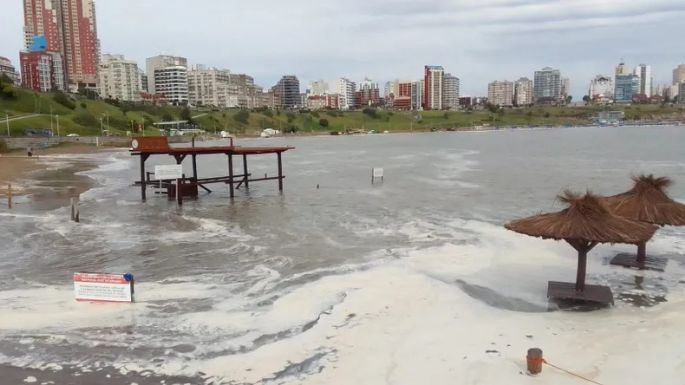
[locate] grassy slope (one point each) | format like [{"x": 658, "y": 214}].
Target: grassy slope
[{"x": 29, "y": 102}]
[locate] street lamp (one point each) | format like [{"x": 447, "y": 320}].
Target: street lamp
[{"x": 7, "y": 115}]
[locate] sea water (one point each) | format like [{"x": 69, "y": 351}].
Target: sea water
[{"x": 338, "y": 280}]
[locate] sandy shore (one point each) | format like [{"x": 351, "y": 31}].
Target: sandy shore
[{"x": 16, "y": 165}]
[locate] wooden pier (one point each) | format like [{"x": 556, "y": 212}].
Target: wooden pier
[{"x": 144, "y": 147}]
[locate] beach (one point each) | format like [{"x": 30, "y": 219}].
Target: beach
[{"x": 411, "y": 280}]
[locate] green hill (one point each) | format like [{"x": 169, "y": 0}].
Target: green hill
[{"x": 81, "y": 115}]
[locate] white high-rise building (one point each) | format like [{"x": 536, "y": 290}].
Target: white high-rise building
[
  {"x": 161, "y": 61},
  {"x": 211, "y": 87},
  {"x": 119, "y": 78},
  {"x": 644, "y": 73},
  {"x": 172, "y": 82},
  {"x": 679, "y": 74},
  {"x": 601, "y": 88},
  {"x": 450, "y": 93},
  {"x": 523, "y": 92},
  {"x": 345, "y": 88},
  {"x": 318, "y": 87},
  {"x": 501, "y": 93},
  {"x": 417, "y": 92}
]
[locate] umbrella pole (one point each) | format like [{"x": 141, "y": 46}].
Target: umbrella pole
[
  {"x": 582, "y": 267},
  {"x": 642, "y": 252}
]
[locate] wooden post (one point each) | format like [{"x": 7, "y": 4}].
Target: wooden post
[
  {"x": 179, "y": 190},
  {"x": 534, "y": 360},
  {"x": 642, "y": 252},
  {"x": 280, "y": 172},
  {"x": 247, "y": 182},
  {"x": 230, "y": 175},
  {"x": 9, "y": 196},
  {"x": 195, "y": 167},
  {"x": 75, "y": 212},
  {"x": 582, "y": 267},
  {"x": 143, "y": 157}
]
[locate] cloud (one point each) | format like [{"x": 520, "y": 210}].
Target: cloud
[{"x": 479, "y": 41}]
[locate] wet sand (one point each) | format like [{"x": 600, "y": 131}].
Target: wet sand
[
  {"x": 12, "y": 375},
  {"x": 16, "y": 165}
]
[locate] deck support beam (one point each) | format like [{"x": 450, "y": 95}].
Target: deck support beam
[
  {"x": 143, "y": 158},
  {"x": 247, "y": 182},
  {"x": 280, "y": 172},
  {"x": 230, "y": 175}
]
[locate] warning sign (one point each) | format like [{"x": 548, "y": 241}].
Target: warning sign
[{"x": 103, "y": 287}]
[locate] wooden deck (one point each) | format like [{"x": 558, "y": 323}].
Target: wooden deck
[
  {"x": 630, "y": 260},
  {"x": 593, "y": 294}
]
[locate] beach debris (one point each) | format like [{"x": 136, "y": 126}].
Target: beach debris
[
  {"x": 376, "y": 173},
  {"x": 534, "y": 360}
]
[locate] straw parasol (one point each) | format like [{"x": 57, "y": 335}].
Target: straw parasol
[
  {"x": 648, "y": 202},
  {"x": 583, "y": 224}
]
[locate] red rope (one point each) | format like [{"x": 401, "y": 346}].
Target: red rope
[{"x": 565, "y": 371}]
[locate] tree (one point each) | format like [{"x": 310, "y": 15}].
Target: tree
[
  {"x": 568, "y": 99},
  {"x": 586, "y": 99},
  {"x": 185, "y": 114},
  {"x": 323, "y": 122},
  {"x": 242, "y": 116}
]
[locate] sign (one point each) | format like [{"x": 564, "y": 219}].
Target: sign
[
  {"x": 98, "y": 287},
  {"x": 171, "y": 171},
  {"x": 377, "y": 172}
]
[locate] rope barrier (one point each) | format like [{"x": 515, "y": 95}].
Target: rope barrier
[{"x": 564, "y": 370}]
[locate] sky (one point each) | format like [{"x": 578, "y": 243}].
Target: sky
[{"x": 478, "y": 41}]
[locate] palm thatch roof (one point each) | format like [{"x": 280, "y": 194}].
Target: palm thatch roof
[
  {"x": 585, "y": 219},
  {"x": 647, "y": 201}
]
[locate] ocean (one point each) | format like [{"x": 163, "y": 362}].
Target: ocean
[{"x": 409, "y": 280}]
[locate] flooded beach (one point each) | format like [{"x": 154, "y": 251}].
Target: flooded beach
[{"x": 338, "y": 280}]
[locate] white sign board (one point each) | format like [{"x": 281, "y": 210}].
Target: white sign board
[
  {"x": 96, "y": 287},
  {"x": 169, "y": 171},
  {"x": 377, "y": 172}
]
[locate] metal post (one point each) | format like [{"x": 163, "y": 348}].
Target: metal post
[
  {"x": 9, "y": 196},
  {"x": 142, "y": 177},
  {"x": 57, "y": 117},
  {"x": 247, "y": 182},
  {"x": 230, "y": 174},
  {"x": 179, "y": 190},
  {"x": 280, "y": 172},
  {"x": 8, "y": 124}
]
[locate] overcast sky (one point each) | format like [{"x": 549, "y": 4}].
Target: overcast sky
[{"x": 477, "y": 40}]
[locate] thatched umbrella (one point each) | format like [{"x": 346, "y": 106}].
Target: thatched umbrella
[
  {"x": 648, "y": 202},
  {"x": 583, "y": 224}
]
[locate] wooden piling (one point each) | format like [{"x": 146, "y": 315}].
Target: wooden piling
[
  {"x": 247, "y": 182},
  {"x": 280, "y": 172},
  {"x": 230, "y": 175},
  {"x": 75, "y": 212},
  {"x": 9, "y": 195},
  {"x": 534, "y": 360}
]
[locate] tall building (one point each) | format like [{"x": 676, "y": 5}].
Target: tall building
[
  {"x": 42, "y": 71},
  {"x": 70, "y": 28},
  {"x": 601, "y": 89},
  {"x": 119, "y": 78},
  {"x": 565, "y": 89},
  {"x": 644, "y": 74},
  {"x": 679, "y": 74},
  {"x": 622, "y": 69},
  {"x": 172, "y": 83},
  {"x": 345, "y": 88},
  {"x": 625, "y": 87},
  {"x": 7, "y": 69},
  {"x": 433, "y": 87},
  {"x": 288, "y": 89},
  {"x": 143, "y": 80},
  {"x": 158, "y": 62},
  {"x": 681, "y": 91},
  {"x": 523, "y": 92},
  {"x": 417, "y": 93},
  {"x": 211, "y": 87},
  {"x": 318, "y": 87},
  {"x": 501, "y": 93},
  {"x": 547, "y": 86},
  {"x": 450, "y": 92},
  {"x": 369, "y": 93}
]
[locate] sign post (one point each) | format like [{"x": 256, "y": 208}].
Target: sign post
[
  {"x": 99, "y": 287},
  {"x": 169, "y": 171},
  {"x": 376, "y": 172}
]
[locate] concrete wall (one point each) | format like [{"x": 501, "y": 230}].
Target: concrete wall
[{"x": 116, "y": 141}]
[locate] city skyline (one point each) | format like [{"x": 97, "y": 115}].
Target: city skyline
[{"x": 240, "y": 37}]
